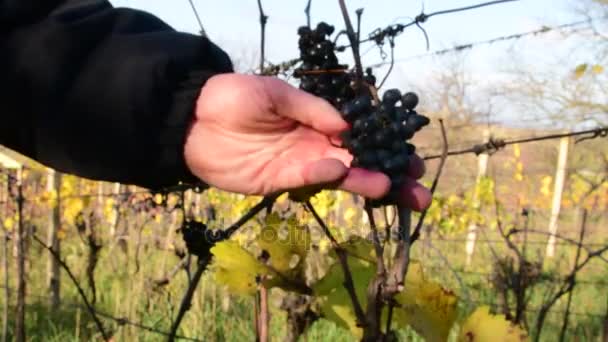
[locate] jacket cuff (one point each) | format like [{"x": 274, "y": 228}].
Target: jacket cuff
[{"x": 172, "y": 163}]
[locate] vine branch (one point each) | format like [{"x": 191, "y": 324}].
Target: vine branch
[
  {"x": 342, "y": 257},
  {"x": 89, "y": 306}
]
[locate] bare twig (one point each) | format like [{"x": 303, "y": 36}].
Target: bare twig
[
  {"x": 187, "y": 300},
  {"x": 263, "y": 204},
  {"x": 444, "y": 155},
  {"x": 568, "y": 284},
  {"x": 167, "y": 278},
  {"x": 572, "y": 280},
  {"x": 352, "y": 37},
  {"x": 390, "y": 68},
  {"x": 402, "y": 256},
  {"x": 307, "y": 12},
  {"x": 263, "y": 21},
  {"x": 106, "y": 336},
  {"x": 380, "y": 269},
  {"x": 198, "y": 19},
  {"x": 342, "y": 257},
  {"x": 264, "y": 319}
]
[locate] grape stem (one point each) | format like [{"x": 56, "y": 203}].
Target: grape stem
[
  {"x": 307, "y": 12},
  {"x": 352, "y": 37},
  {"x": 402, "y": 257},
  {"x": 444, "y": 156}
]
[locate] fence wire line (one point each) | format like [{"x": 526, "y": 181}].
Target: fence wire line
[
  {"x": 516, "y": 36},
  {"x": 496, "y": 144}
]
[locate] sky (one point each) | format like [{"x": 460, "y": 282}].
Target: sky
[{"x": 234, "y": 25}]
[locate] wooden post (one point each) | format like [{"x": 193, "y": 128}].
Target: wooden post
[
  {"x": 4, "y": 198},
  {"x": 560, "y": 180},
  {"x": 20, "y": 237},
  {"x": 53, "y": 279},
  {"x": 114, "y": 220},
  {"x": 482, "y": 170}
]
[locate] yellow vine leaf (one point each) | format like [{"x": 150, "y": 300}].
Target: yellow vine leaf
[
  {"x": 580, "y": 70},
  {"x": 426, "y": 306},
  {"x": 482, "y": 326},
  {"x": 9, "y": 223},
  {"x": 333, "y": 298},
  {"x": 287, "y": 245},
  {"x": 235, "y": 268},
  {"x": 597, "y": 69}
]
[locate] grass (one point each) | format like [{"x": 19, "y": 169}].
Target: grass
[{"x": 124, "y": 291}]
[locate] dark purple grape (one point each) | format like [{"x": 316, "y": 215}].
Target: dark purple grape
[
  {"x": 308, "y": 85},
  {"x": 417, "y": 121},
  {"x": 409, "y": 100},
  {"x": 358, "y": 126},
  {"x": 391, "y": 97},
  {"x": 382, "y": 138},
  {"x": 349, "y": 112},
  {"x": 368, "y": 158},
  {"x": 383, "y": 154},
  {"x": 324, "y": 28},
  {"x": 304, "y": 30},
  {"x": 363, "y": 103}
]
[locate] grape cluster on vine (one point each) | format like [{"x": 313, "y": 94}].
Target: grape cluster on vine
[
  {"x": 320, "y": 73},
  {"x": 379, "y": 134},
  {"x": 380, "y": 129}
]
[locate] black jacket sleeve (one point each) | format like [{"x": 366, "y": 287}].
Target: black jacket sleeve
[{"x": 101, "y": 92}]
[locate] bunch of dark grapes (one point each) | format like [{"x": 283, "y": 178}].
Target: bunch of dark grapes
[
  {"x": 379, "y": 131},
  {"x": 320, "y": 73},
  {"x": 379, "y": 134}
]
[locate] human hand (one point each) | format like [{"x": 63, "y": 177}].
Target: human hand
[{"x": 258, "y": 135}]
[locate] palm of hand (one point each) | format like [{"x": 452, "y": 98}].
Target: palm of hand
[{"x": 258, "y": 135}]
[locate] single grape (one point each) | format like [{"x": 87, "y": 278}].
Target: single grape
[
  {"x": 417, "y": 121},
  {"x": 363, "y": 103},
  {"x": 391, "y": 97},
  {"x": 349, "y": 112},
  {"x": 368, "y": 158},
  {"x": 409, "y": 100},
  {"x": 304, "y": 30}
]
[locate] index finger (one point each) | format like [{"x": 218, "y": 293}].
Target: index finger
[{"x": 303, "y": 107}]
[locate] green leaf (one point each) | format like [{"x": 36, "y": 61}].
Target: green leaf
[{"x": 483, "y": 326}]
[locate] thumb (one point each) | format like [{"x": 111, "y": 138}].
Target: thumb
[{"x": 303, "y": 107}]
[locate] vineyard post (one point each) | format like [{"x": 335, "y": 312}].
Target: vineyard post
[
  {"x": 4, "y": 198},
  {"x": 53, "y": 269},
  {"x": 560, "y": 179},
  {"x": 482, "y": 169},
  {"x": 115, "y": 210},
  {"x": 21, "y": 281}
]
